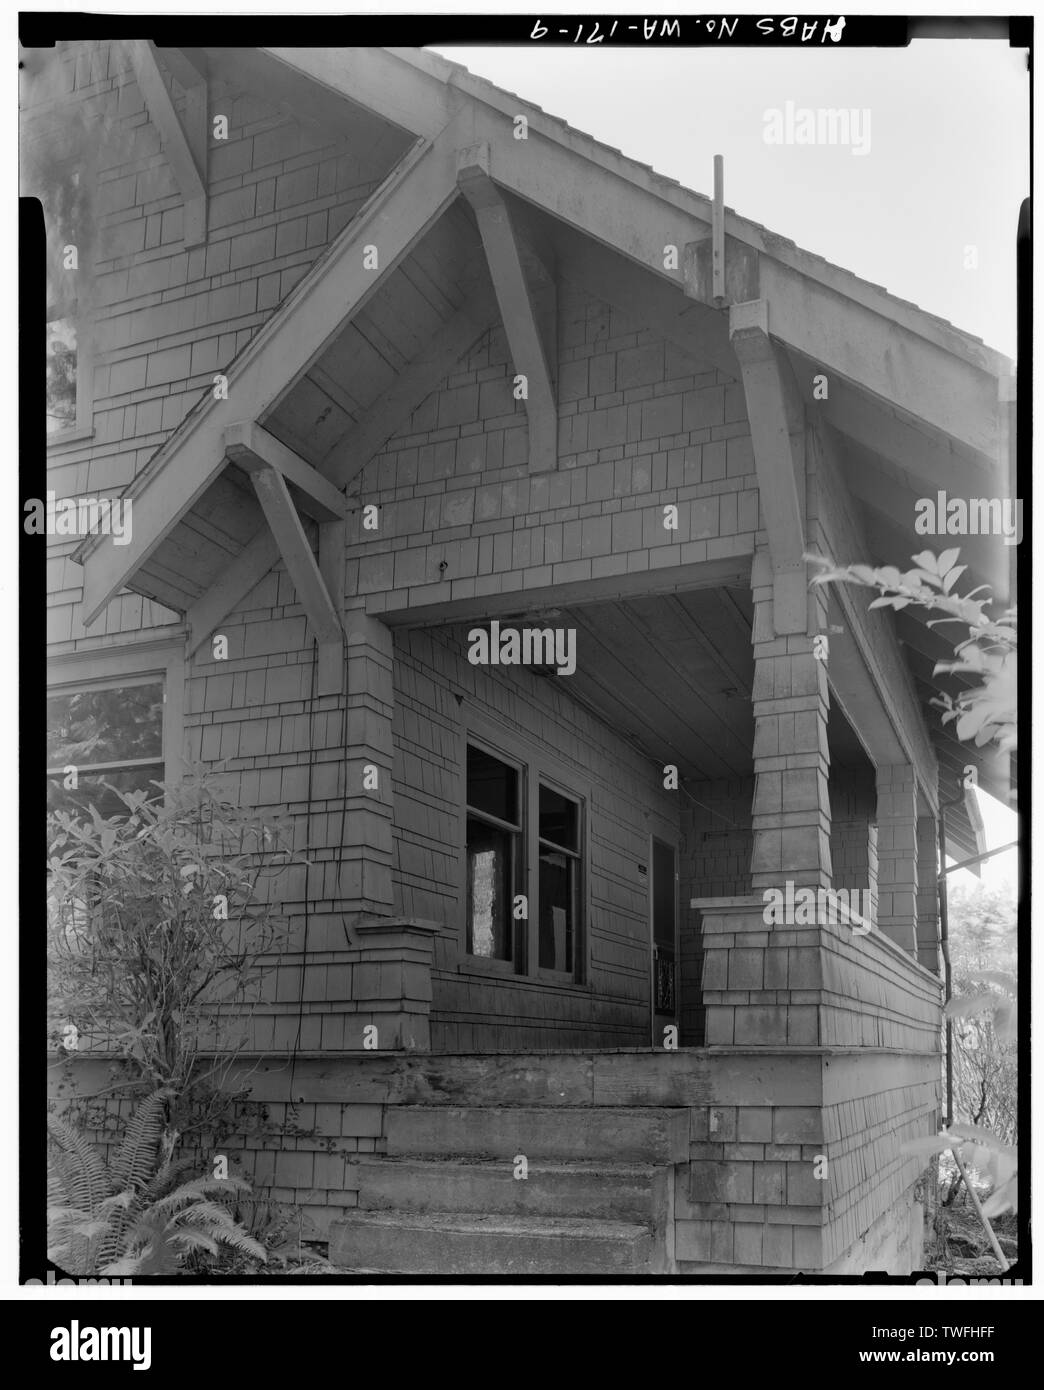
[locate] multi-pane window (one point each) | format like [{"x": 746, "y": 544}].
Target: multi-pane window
[
  {"x": 100, "y": 738},
  {"x": 514, "y": 858},
  {"x": 494, "y": 858},
  {"x": 559, "y": 891}
]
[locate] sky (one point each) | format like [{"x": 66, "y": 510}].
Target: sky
[{"x": 946, "y": 169}]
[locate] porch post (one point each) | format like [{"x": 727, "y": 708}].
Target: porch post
[
  {"x": 791, "y": 819},
  {"x": 897, "y": 854},
  {"x": 366, "y": 883},
  {"x": 928, "y": 892}
]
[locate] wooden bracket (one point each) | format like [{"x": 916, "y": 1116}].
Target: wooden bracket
[
  {"x": 253, "y": 449},
  {"x": 324, "y": 614},
  {"x": 522, "y": 314},
  {"x": 184, "y": 137},
  {"x": 776, "y": 428}
]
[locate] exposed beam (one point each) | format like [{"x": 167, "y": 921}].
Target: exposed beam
[
  {"x": 779, "y": 458},
  {"x": 323, "y": 612},
  {"x": 379, "y": 81},
  {"x": 393, "y": 220},
  {"x": 515, "y": 297},
  {"x": 247, "y": 570},
  {"x": 928, "y": 457},
  {"x": 701, "y": 574},
  {"x": 878, "y": 354},
  {"x": 252, "y": 448},
  {"x": 896, "y": 542},
  {"x": 413, "y": 385},
  {"x": 181, "y": 143}
]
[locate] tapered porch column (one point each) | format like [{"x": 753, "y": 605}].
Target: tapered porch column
[
  {"x": 367, "y": 854},
  {"x": 928, "y": 891},
  {"x": 897, "y": 854},
  {"x": 791, "y": 820},
  {"x": 791, "y": 759}
]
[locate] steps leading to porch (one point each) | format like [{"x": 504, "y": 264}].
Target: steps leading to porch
[
  {"x": 449, "y": 1197},
  {"x": 596, "y": 1191},
  {"x": 389, "y": 1242},
  {"x": 624, "y": 1135}
]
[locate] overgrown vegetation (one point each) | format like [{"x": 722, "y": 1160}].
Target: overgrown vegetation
[
  {"x": 135, "y": 1215},
  {"x": 160, "y": 935},
  {"x": 984, "y": 996}
]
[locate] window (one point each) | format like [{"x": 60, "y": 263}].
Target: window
[
  {"x": 61, "y": 375},
  {"x": 69, "y": 369},
  {"x": 494, "y": 858},
  {"x": 559, "y": 896},
  {"x": 524, "y": 837},
  {"x": 102, "y": 735}
]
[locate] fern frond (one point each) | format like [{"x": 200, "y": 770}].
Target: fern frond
[
  {"x": 167, "y": 1177},
  {"x": 189, "y": 1239},
  {"x": 78, "y": 1166},
  {"x": 135, "y": 1163},
  {"x": 237, "y": 1239},
  {"x": 197, "y": 1190}
]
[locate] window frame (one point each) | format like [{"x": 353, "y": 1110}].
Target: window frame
[
  {"x": 543, "y": 779},
  {"x": 67, "y": 306},
  {"x": 136, "y": 664},
  {"x": 535, "y": 767},
  {"x": 508, "y": 964}
]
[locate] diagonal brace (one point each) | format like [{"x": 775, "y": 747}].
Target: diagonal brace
[
  {"x": 184, "y": 143},
  {"x": 323, "y": 612},
  {"x": 506, "y": 257}
]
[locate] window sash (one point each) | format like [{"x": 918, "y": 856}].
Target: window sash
[{"x": 530, "y": 845}]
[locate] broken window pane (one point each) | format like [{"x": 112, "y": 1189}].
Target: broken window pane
[{"x": 490, "y": 861}]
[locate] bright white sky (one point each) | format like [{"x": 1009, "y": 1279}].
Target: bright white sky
[{"x": 947, "y": 169}]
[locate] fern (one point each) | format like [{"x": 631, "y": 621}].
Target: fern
[
  {"x": 134, "y": 1217},
  {"x": 135, "y": 1162}
]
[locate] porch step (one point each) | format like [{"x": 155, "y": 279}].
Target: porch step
[
  {"x": 399, "y": 1243},
  {"x": 619, "y": 1193},
  {"x": 617, "y": 1135}
]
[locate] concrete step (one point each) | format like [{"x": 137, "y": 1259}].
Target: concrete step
[
  {"x": 387, "y": 1242},
  {"x": 609, "y": 1136},
  {"x": 628, "y": 1193}
]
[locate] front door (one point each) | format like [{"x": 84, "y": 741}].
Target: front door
[{"x": 663, "y": 902}]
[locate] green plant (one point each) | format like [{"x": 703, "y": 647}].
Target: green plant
[{"x": 133, "y": 1216}]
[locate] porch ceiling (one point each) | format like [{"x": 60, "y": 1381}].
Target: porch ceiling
[{"x": 671, "y": 673}]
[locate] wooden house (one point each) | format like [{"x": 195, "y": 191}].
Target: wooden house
[{"x": 384, "y": 356}]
